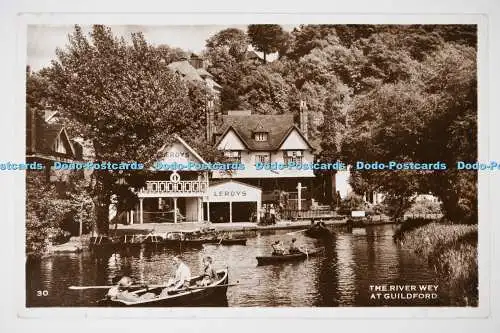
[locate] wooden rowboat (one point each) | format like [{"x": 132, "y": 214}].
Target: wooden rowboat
[
  {"x": 234, "y": 241},
  {"x": 277, "y": 259},
  {"x": 192, "y": 296},
  {"x": 318, "y": 232}
]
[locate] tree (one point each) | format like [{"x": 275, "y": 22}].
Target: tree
[
  {"x": 233, "y": 41},
  {"x": 266, "y": 38},
  {"x": 428, "y": 114},
  {"x": 123, "y": 97}
]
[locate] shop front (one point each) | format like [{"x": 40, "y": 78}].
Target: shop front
[{"x": 233, "y": 201}]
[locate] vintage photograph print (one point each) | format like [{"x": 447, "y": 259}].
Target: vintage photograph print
[{"x": 259, "y": 165}]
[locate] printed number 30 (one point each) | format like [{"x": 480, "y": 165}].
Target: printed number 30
[{"x": 42, "y": 292}]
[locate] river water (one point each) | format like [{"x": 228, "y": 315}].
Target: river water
[{"x": 354, "y": 261}]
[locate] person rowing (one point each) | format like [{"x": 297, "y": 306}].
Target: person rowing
[
  {"x": 278, "y": 249},
  {"x": 181, "y": 279},
  {"x": 294, "y": 248}
]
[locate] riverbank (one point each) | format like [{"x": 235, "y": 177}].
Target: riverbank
[
  {"x": 161, "y": 228},
  {"x": 451, "y": 249},
  {"x": 76, "y": 244}
]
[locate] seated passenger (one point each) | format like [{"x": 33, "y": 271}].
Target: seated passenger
[
  {"x": 209, "y": 275},
  {"x": 278, "y": 249},
  {"x": 294, "y": 249}
]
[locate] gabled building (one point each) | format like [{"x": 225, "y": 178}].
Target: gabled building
[
  {"x": 173, "y": 195},
  {"x": 264, "y": 143},
  {"x": 47, "y": 141}
]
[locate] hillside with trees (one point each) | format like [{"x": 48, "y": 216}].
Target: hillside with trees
[{"x": 375, "y": 93}]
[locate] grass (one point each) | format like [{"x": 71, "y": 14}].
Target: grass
[{"x": 450, "y": 248}]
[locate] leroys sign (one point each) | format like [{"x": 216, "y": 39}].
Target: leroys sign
[{"x": 232, "y": 191}]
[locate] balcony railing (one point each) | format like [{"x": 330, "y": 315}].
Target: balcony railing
[{"x": 164, "y": 188}]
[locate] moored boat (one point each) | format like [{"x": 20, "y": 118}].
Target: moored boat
[
  {"x": 276, "y": 259},
  {"x": 192, "y": 296},
  {"x": 234, "y": 241}
]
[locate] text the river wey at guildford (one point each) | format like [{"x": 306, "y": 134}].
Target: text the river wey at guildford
[{"x": 403, "y": 292}]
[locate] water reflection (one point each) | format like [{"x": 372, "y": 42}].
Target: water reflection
[{"x": 352, "y": 261}]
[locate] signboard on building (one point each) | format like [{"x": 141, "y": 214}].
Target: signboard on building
[
  {"x": 358, "y": 213},
  {"x": 232, "y": 191}
]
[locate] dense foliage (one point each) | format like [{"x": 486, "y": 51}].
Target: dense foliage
[
  {"x": 376, "y": 93},
  {"x": 124, "y": 98},
  {"x": 53, "y": 215}
]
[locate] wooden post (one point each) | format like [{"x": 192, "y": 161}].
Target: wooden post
[
  {"x": 141, "y": 211},
  {"x": 200, "y": 210},
  {"x": 81, "y": 221},
  {"x": 299, "y": 196},
  {"x": 259, "y": 208},
  {"x": 132, "y": 216},
  {"x": 208, "y": 210},
  {"x": 175, "y": 210},
  {"x": 230, "y": 212}
]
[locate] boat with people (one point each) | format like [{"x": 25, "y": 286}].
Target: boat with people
[
  {"x": 318, "y": 231},
  {"x": 277, "y": 259},
  {"x": 192, "y": 295}
]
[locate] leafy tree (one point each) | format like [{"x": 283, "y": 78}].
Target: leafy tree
[
  {"x": 123, "y": 97},
  {"x": 233, "y": 41},
  {"x": 266, "y": 38}
]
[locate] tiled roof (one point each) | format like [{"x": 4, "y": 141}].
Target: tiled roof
[
  {"x": 277, "y": 126},
  {"x": 186, "y": 69},
  {"x": 203, "y": 72}
]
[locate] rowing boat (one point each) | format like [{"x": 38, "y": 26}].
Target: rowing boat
[
  {"x": 234, "y": 241},
  {"x": 318, "y": 232},
  {"x": 276, "y": 259},
  {"x": 191, "y": 296}
]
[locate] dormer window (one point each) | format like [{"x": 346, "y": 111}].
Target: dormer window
[
  {"x": 260, "y": 136},
  {"x": 233, "y": 156}
]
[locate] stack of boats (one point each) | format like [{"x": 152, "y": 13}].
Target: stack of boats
[{"x": 192, "y": 238}]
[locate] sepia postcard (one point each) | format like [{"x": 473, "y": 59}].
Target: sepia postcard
[{"x": 279, "y": 164}]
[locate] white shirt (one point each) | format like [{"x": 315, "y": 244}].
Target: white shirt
[{"x": 182, "y": 274}]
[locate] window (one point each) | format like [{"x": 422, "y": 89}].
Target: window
[
  {"x": 261, "y": 136},
  {"x": 262, "y": 158},
  {"x": 293, "y": 156},
  {"x": 59, "y": 146},
  {"x": 234, "y": 156}
]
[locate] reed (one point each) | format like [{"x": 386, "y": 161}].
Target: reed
[{"x": 452, "y": 250}]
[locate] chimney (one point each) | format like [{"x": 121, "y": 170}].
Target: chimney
[
  {"x": 210, "y": 120},
  {"x": 196, "y": 61},
  {"x": 304, "y": 118}
]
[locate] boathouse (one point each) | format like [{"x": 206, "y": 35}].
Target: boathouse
[
  {"x": 173, "y": 195},
  {"x": 235, "y": 201}
]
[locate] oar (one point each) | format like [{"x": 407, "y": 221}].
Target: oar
[
  {"x": 208, "y": 287},
  {"x": 296, "y": 232},
  {"x": 107, "y": 287},
  {"x": 216, "y": 286}
]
